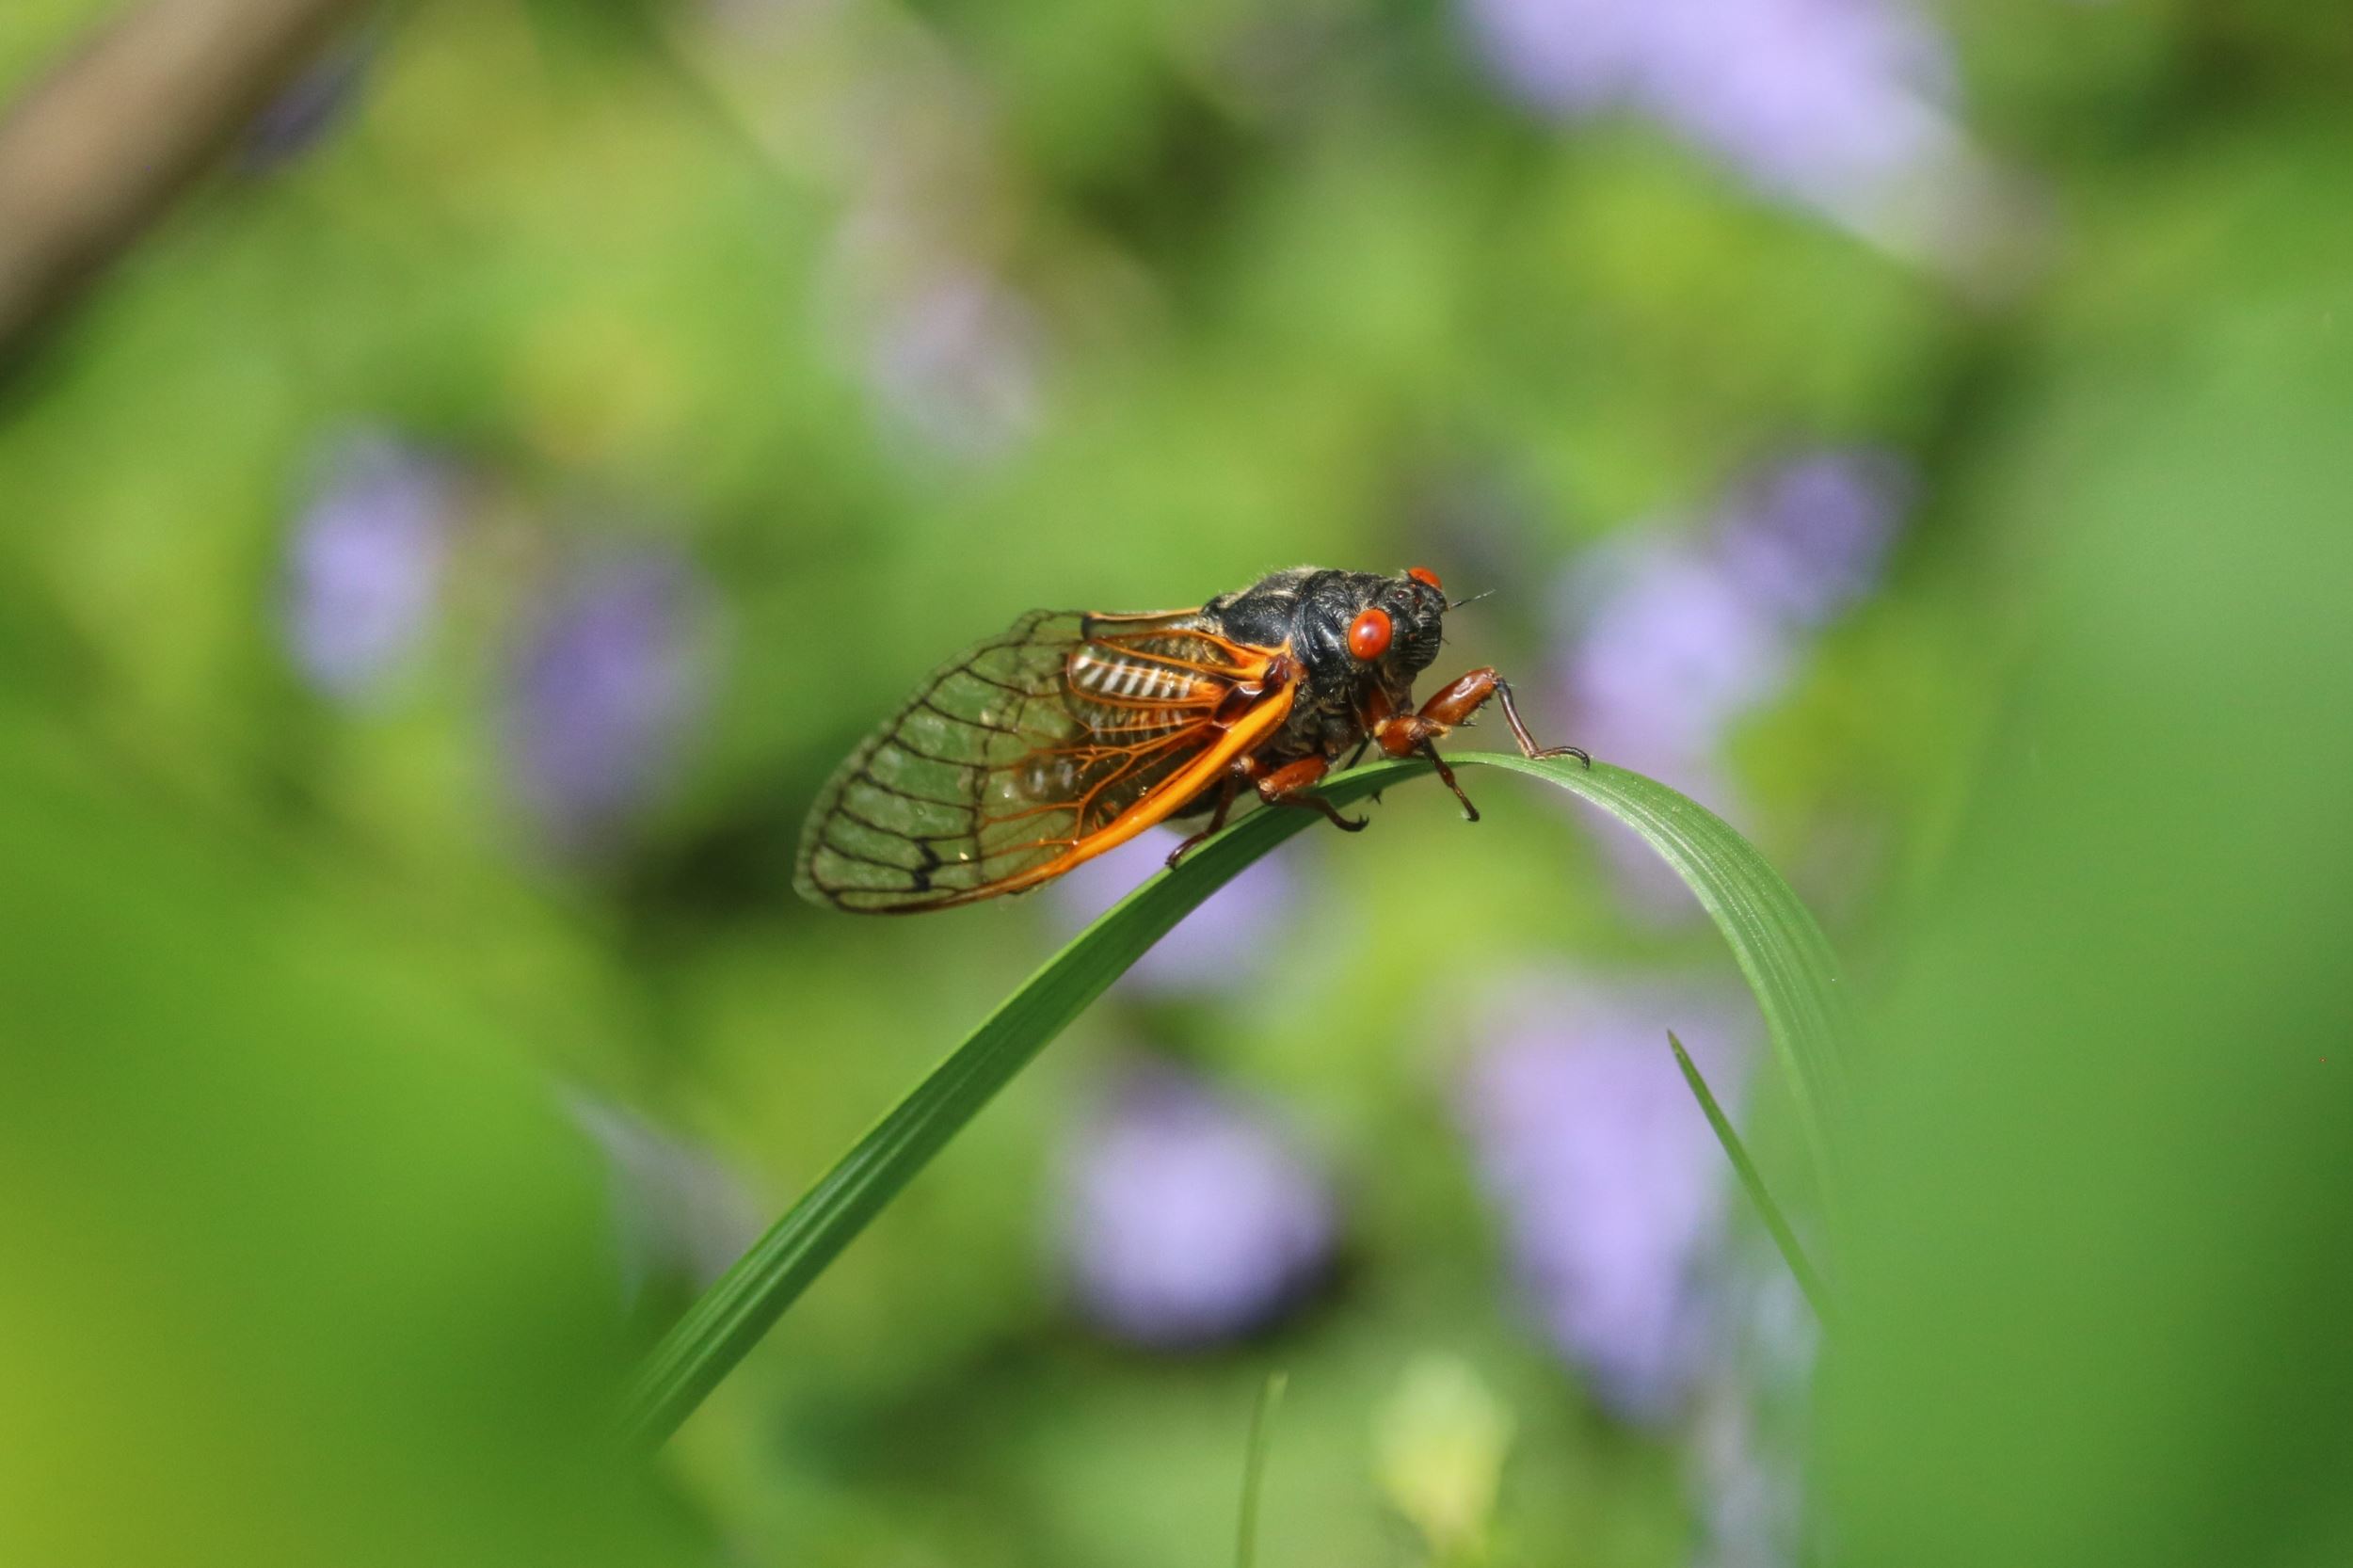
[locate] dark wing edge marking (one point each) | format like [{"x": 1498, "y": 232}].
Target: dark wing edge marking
[
  {"x": 995, "y": 775},
  {"x": 875, "y": 838}
]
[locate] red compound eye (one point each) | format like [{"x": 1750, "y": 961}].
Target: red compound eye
[
  {"x": 1426, "y": 578},
  {"x": 1370, "y": 637}
]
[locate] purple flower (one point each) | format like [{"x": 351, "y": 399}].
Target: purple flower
[
  {"x": 307, "y": 108},
  {"x": 1609, "y": 1183},
  {"x": 1682, "y": 632},
  {"x": 955, "y": 363},
  {"x": 603, "y": 691},
  {"x": 1230, "y": 940},
  {"x": 947, "y": 342},
  {"x": 363, "y": 564},
  {"x": 1835, "y": 104},
  {"x": 1674, "y": 650},
  {"x": 1810, "y": 537},
  {"x": 1190, "y": 1216}
]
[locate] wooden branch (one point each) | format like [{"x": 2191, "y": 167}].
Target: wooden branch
[{"x": 97, "y": 150}]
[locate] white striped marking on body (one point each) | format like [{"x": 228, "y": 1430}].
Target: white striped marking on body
[{"x": 1122, "y": 678}]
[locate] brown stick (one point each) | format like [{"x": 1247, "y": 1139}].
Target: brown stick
[{"x": 96, "y": 150}]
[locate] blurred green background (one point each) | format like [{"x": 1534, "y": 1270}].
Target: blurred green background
[{"x": 445, "y": 557}]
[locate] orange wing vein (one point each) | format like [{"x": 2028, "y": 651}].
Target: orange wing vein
[{"x": 1033, "y": 752}]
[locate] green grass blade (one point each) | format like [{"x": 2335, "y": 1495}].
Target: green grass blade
[
  {"x": 730, "y": 1316},
  {"x": 1775, "y": 942},
  {"x": 1770, "y": 1212},
  {"x": 1782, "y": 953},
  {"x": 1253, "y": 1470}
]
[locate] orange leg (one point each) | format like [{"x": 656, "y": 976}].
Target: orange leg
[
  {"x": 1289, "y": 785},
  {"x": 1286, "y": 786},
  {"x": 1405, "y": 734}
]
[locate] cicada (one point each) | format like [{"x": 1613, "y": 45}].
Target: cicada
[{"x": 1072, "y": 732}]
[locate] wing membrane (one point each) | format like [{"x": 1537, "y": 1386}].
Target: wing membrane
[{"x": 1031, "y": 752}]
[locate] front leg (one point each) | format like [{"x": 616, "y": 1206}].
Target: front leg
[
  {"x": 1406, "y": 734},
  {"x": 1403, "y": 734}
]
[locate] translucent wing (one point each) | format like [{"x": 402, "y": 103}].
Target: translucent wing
[{"x": 1033, "y": 751}]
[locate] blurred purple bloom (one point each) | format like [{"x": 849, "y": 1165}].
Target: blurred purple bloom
[
  {"x": 1810, "y": 537},
  {"x": 307, "y": 108},
  {"x": 1190, "y": 1216},
  {"x": 1682, "y": 634},
  {"x": 953, "y": 361},
  {"x": 1610, "y": 1184},
  {"x": 1228, "y": 942},
  {"x": 604, "y": 689},
  {"x": 1674, "y": 650},
  {"x": 1837, "y": 104},
  {"x": 363, "y": 564},
  {"x": 948, "y": 344}
]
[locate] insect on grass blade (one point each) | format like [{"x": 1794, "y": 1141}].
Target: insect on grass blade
[{"x": 1775, "y": 940}]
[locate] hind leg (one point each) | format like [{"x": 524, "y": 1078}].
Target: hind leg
[{"x": 1227, "y": 788}]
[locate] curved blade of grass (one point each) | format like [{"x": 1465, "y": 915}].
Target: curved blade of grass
[
  {"x": 1778, "y": 947},
  {"x": 1254, "y": 1469},
  {"x": 1767, "y": 1209}
]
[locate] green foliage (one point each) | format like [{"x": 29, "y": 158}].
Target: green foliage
[
  {"x": 2094, "y": 1283},
  {"x": 303, "y": 1264}
]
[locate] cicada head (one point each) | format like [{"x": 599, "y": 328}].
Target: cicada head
[
  {"x": 1357, "y": 629},
  {"x": 1415, "y": 605}
]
